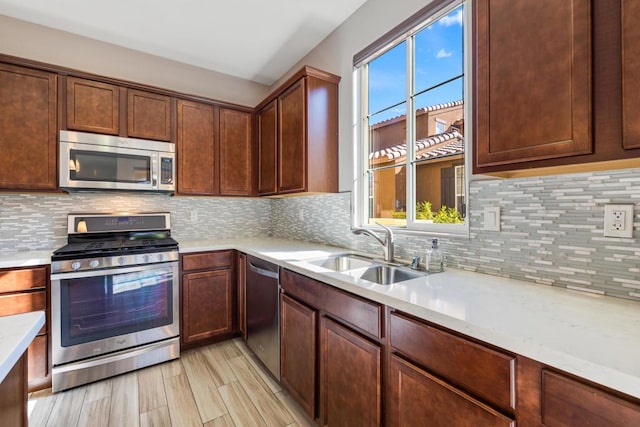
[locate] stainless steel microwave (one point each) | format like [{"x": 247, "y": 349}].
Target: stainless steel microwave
[{"x": 104, "y": 162}]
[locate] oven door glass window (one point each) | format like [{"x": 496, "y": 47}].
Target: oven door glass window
[
  {"x": 109, "y": 167},
  {"x": 94, "y": 308}
]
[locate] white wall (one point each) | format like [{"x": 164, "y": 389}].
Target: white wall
[
  {"x": 32, "y": 41},
  {"x": 335, "y": 54}
]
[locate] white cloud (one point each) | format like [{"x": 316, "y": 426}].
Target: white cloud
[
  {"x": 449, "y": 20},
  {"x": 443, "y": 54}
]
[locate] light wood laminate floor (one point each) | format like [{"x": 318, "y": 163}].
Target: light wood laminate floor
[{"x": 221, "y": 385}]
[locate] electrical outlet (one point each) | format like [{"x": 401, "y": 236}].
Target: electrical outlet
[
  {"x": 194, "y": 215},
  {"x": 492, "y": 218},
  {"x": 618, "y": 221}
]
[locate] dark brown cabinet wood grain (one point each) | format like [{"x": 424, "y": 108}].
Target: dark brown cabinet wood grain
[
  {"x": 533, "y": 82},
  {"x": 630, "y": 74},
  {"x": 235, "y": 153},
  {"x": 208, "y": 297},
  {"x": 99, "y": 107},
  {"x": 93, "y": 106},
  {"x": 558, "y": 97},
  {"x": 298, "y": 135},
  {"x": 242, "y": 294},
  {"x": 298, "y": 352},
  {"x": 23, "y": 290},
  {"x": 350, "y": 377},
  {"x": 148, "y": 115},
  {"x": 197, "y": 149},
  {"x": 268, "y": 149},
  {"x": 569, "y": 402},
  {"x": 13, "y": 392},
  {"x": 28, "y": 129},
  {"x": 417, "y": 397}
]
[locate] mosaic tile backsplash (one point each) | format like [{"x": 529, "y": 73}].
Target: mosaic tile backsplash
[
  {"x": 552, "y": 227},
  {"x": 39, "y": 221},
  {"x": 551, "y": 234}
]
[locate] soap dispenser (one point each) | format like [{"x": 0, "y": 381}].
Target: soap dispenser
[{"x": 434, "y": 260}]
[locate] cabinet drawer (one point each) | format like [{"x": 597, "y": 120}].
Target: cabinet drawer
[
  {"x": 207, "y": 260},
  {"x": 417, "y": 396},
  {"x": 24, "y": 303},
  {"x": 480, "y": 370},
  {"x": 358, "y": 312},
  {"x": 23, "y": 279},
  {"x": 567, "y": 402}
]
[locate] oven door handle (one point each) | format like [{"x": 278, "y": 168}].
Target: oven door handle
[{"x": 111, "y": 271}]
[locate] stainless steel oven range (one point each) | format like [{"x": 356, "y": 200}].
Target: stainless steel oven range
[{"x": 114, "y": 297}]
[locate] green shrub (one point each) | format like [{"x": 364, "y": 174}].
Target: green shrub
[
  {"x": 423, "y": 212},
  {"x": 448, "y": 216}
]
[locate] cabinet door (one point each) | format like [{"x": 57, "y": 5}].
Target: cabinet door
[
  {"x": 349, "y": 377},
  {"x": 630, "y": 74},
  {"x": 207, "y": 305},
  {"x": 242, "y": 293},
  {"x": 148, "y": 115},
  {"x": 28, "y": 129},
  {"x": 416, "y": 396},
  {"x": 197, "y": 149},
  {"x": 93, "y": 106},
  {"x": 235, "y": 153},
  {"x": 298, "y": 352},
  {"x": 268, "y": 149},
  {"x": 292, "y": 141},
  {"x": 533, "y": 82}
]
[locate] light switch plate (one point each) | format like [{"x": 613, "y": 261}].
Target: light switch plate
[
  {"x": 492, "y": 218},
  {"x": 618, "y": 220}
]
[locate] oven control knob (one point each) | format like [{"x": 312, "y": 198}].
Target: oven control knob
[
  {"x": 145, "y": 258},
  {"x": 121, "y": 260},
  {"x": 75, "y": 265},
  {"x": 94, "y": 263},
  {"x": 160, "y": 257}
]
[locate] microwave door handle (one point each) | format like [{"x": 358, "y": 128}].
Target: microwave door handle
[{"x": 154, "y": 171}]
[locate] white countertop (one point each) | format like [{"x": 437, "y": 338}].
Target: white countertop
[
  {"x": 592, "y": 336},
  {"x": 24, "y": 259},
  {"x": 16, "y": 333}
]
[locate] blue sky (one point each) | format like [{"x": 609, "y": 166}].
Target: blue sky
[{"x": 438, "y": 58}]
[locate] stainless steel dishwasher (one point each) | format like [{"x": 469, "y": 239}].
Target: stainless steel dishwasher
[{"x": 263, "y": 312}]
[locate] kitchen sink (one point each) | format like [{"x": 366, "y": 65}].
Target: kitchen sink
[
  {"x": 387, "y": 275},
  {"x": 342, "y": 262}
]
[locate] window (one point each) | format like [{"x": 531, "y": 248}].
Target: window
[{"x": 412, "y": 89}]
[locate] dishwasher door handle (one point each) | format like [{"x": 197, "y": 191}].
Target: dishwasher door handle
[{"x": 262, "y": 271}]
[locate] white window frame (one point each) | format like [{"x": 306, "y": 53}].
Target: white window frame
[{"x": 360, "y": 194}]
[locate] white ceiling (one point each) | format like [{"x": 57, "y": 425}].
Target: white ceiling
[{"x": 258, "y": 40}]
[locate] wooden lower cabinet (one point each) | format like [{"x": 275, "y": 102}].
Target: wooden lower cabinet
[
  {"x": 419, "y": 398},
  {"x": 13, "y": 395},
  {"x": 350, "y": 377},
  {"x": 242, "y": 294},
  {"x": 298, "y": 352},
  {"x": 23, "y": 290},
  {"x": 208, "y": 297}
]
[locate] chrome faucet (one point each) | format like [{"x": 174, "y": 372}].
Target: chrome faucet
[{"x": 387, "y": 243}]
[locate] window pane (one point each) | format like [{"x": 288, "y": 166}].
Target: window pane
[
  {"x": 387, "y": 80},
  {"x": 387, "y": 195},
  {"x": 439, "y": 51},
  {"x": 387, "y": 137}
]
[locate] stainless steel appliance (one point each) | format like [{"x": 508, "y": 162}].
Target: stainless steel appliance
[
  {"x": 106, "y": 162},
  {"x": 114, "y": 297},
  {"x": 263, "y": 312}
]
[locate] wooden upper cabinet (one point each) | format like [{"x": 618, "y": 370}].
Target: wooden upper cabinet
[
  {"x": 197, "y": 149},
  {"x": 292, "y": 159},
  {"x": 148, "y": 115},
  {"x": 93, "y": 106},
  {"x": 28, "y": 129},
  {"x": 268, "y": 149},
  {"x": 109, "y": 109},
  {"x": 235, "y": 153},
  {"x": 630, "y": 74},
  {"x": 533, "y": 82},
  {"x": 298, "y": 128}
]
